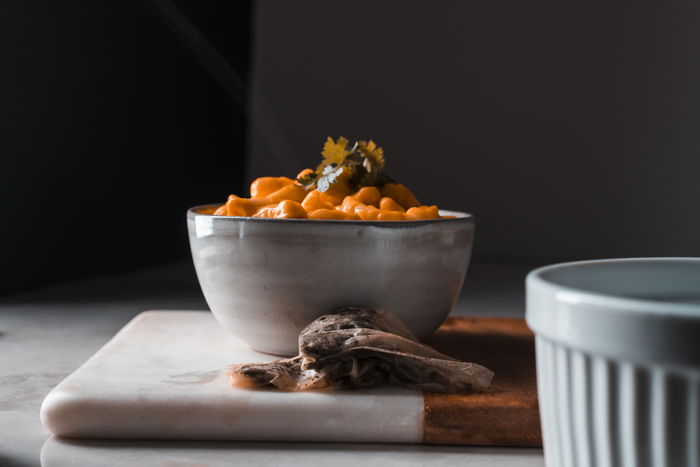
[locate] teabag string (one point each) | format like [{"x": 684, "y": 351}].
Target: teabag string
[{"x": 263, "y": 122}]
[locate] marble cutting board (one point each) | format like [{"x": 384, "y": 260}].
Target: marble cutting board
[{"x": 161, "y": 377}]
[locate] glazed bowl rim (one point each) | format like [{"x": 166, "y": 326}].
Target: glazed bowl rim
[
  {"x": 459, "y": 217},
  {"x": 539, "y": 278}
]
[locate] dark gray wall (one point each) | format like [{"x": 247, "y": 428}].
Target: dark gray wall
[
  {"x": 569, "y": 129},
  {"x": 109, "y": 131}
]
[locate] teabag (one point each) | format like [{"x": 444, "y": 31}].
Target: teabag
[{"x": 362, "y": 348}]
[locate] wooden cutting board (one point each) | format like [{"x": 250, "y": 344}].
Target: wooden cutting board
[
  {"x": 505, "y": 415},
  {"x": 161, "y": 377}
]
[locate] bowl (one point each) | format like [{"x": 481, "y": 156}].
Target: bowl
[
  {"x": 265, "y": 279},
  {"x": 618, "y": 361}
]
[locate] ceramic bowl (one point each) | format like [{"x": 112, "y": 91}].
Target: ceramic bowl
[
  {"x": 265, "y": 279},
  {"x": 618, "y": 361}
]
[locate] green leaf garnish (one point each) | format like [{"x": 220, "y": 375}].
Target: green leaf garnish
[
  {"x": 334, "y": 152},
  {"x": 364, "y": 162},
  {"x": 329, "y": 175}
]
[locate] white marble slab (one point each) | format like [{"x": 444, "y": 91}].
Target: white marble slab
[
  {"x": 161, "y": 377},
  {"x": 59, "y": 452}
]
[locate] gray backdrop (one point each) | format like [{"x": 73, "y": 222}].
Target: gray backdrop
[{"x": 569, "y": 130}]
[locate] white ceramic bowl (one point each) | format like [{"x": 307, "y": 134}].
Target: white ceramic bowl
[
  {"x": 265, "y": 279},
  {"x": 618, "y": 361}
]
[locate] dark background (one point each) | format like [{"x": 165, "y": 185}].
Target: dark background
[
  {"x": 109, "y": 130},
  {"x": 569, "y": 130}
]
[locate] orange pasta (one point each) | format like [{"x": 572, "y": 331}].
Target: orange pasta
[
  {"x": 349, "y": 184},
  {"x": 283, "y": 198}
]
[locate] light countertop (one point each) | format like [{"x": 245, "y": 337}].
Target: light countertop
[{"x": 47, "y": 333}]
